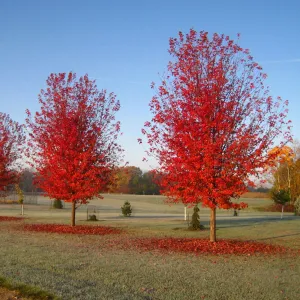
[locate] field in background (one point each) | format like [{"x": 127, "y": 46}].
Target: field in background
[
  {"x": 150, "y": 214},
  {"x": 86, "y": 267},
  {"x": 144, "y": 206},
  {"x": 256, "y": 195}
]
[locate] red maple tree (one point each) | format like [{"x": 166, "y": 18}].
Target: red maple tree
[
  {"x": 213, "y": 122},
  {"x": 73, "y": 139},
  {"x": 12, "y": 139}
]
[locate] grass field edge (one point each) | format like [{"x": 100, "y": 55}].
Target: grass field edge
[{"x": 27, "y": 291}]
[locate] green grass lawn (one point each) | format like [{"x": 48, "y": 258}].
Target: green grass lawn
[
  {"x": 109, "y": 207},
  {"x": 87, "y": 267}
]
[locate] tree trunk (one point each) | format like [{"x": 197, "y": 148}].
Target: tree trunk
[
  {"x": 73, "y": 213},
  {"x": 213, "y": 237},
  {"x": 282, "y": 207},
  {"x": 22, "y": 209}
]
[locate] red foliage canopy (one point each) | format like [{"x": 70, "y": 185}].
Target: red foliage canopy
[
  {"x": 73, "y": 138},
  {"x": 213, "y": 121},
  {"x": 11, "y": 147}
]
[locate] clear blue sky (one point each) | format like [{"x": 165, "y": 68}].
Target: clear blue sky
[{"x": 123, "y": 44}]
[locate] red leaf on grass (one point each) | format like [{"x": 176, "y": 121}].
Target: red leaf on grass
[
  {"x": 5, "y": 218},
  {"x": 206, "y": 247},
  {"x": 67, "y": 229}
]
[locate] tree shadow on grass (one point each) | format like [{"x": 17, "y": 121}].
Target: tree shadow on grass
[
  {"x": 244, "y": 222},
  {"x": 277, "y": 237}
]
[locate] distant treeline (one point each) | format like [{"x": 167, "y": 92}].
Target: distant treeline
[
  {"x": 125, "y": 180},
  {"x": 259, "y": 190},
  {"x": 27, "y": 182},
  {"x": 132, "y": 180}
]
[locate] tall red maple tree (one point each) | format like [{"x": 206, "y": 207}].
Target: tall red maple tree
[
  {"x": 213, "y": 122},
  {"x": 12, "y": 140},
  {"x": 73, "y": 139}
]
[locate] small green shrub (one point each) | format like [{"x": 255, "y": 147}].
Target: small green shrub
[
  {"x": 57, "y": 204},
  {"x": 281, "y": 196},
  {"x": 126, "y": 209},
  {"x": 195, "y": 223},
  {"x": 93, "y": 218}
]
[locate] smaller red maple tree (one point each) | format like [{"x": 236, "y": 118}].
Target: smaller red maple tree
[
  {"x": 73, "y": 139},
  {"x": 12, "y": 140},
  {"x": 213, "y": 122}
]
